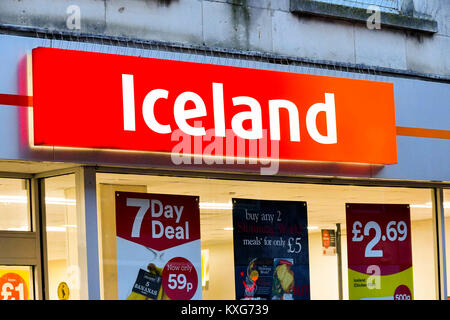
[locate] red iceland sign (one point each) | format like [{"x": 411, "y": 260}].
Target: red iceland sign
[{"x": 98, "y": 100}]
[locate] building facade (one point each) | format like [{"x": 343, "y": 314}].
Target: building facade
[{"x": 378, "y": 69}]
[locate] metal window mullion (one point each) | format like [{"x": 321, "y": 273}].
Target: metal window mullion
[
  {"x": 40, "y": 217},
  {"x": 55, "y": 173},
  {"x": 34, "y": 226},
  {"x": 439, "y": 243},
  {"x": 87, "y": 216}
]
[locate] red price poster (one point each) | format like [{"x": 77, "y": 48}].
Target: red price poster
[
  {"x": 379, "y": 252},
  {"x": 158, "y": 246}
]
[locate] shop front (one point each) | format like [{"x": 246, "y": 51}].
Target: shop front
[{"x": 153, "y": 175}]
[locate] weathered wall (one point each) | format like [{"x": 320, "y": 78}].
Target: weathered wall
[
  {"x": 418, "y": 104},
  {"x": 258, "y": 25}
]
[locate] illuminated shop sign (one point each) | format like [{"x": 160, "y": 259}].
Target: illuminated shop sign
[{"x": 98, "y": 100}]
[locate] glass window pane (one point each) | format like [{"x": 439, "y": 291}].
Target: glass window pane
[
  {"x": 385, "y": 5},
  {"x": 14, "y": 205},
  {"x": 65, "y": 254},
  {"x": 16, "y": 283},
  {"x": 326, "y": 208}
]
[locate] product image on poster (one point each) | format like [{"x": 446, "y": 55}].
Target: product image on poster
[
  {"x": 379, "y": 252},
  {"x": 271, "y": 254},
  {"x": 158, "y": 246},
  {"x": 328, "y": 242}
]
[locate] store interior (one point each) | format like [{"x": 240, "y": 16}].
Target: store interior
[
  {"x": 326, "y": 208},
  {"x": 325, "y": 205}
]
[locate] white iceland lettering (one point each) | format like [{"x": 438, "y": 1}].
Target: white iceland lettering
[
  {"x": 274, "y": 114},
  {"x": 129, "y": 122},
  {"x": 329, "y": 109},
  {"x": 181, "y": 114},
  {"x": 148, "y": 110},
  {"x": 254, "y": 116}
]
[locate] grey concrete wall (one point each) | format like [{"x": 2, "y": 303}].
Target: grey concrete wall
[{"x": 257, "y": 25}]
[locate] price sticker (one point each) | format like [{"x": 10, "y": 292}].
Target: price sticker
[
  {"x": 179, "y": 279},
  {"x": 402, "y": 293},
  {"x": 13, "y": 287},
  {"x": 294, "y": 245},
  {"x": 395, "y": 231}
]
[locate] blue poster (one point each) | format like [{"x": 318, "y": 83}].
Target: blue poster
[{"x": 271, "y": 255}]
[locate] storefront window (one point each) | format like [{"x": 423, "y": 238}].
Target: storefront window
[
  {"x": 64, "y": 233},
  {"x": 16, "y": 281},
  {"x": 326, "y": 210},
  {"x": 14, "y": 205}
]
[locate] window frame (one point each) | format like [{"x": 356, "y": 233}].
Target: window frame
[
  {"x": 438, "y": 219},
  {"x": 403, "y": 20},
  {"x": 366, "y": 3}
]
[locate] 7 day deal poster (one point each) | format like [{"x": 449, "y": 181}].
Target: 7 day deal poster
[
  {"x": 271, "y": 254},
  {"x": 379, "y": 252},
  {"x": 158, "y": 246}
]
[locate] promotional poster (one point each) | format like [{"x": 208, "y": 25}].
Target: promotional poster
[
  {"x": 328, "y": 242},
  {"x": 271, "y": 253},
  {"x": 14, "y": 284},
  {"x": 158, "y": 246},
  {"x": 379, "y": 252}
]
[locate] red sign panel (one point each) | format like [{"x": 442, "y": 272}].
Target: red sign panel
[
  {"x": 98, "y": 100},
  {"x": 157, "y": 221},
  {"x": 379, "y": 234},
  {"x": 379, "y": 251}
]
